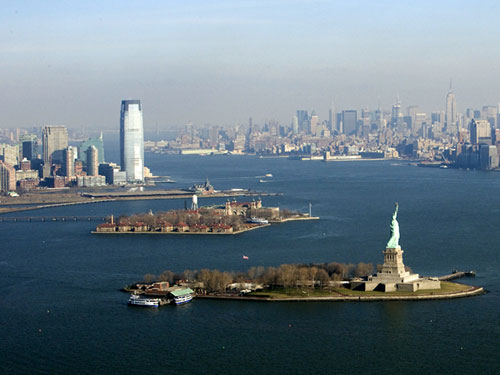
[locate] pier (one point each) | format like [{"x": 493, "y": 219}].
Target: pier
[{"x": 457, "y": 275}]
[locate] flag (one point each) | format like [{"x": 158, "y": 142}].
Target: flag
[{"x": 245, "y": 257}]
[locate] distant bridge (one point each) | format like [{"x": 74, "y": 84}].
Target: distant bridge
[{"x": 52, "y": 218}]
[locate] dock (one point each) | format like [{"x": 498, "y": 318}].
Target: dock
[{"x": 456, "y": 275}]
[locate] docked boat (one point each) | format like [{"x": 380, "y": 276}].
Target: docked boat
[
  {"x": 258, "y": 220},
  {"x": 181, "y": 296},
  {"x": 138, "y": 300},
  {"x": 182, "y": 299}
]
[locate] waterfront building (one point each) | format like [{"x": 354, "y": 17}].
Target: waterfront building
[
  {"x": 92, "y": 161},
  {"x": 488, "y": 157},
  {"x": 132, "y": 140},
  {"x": 28, "y": 184},
  {"x": 7, "y": 177},
  {"x": 54, "y": 141},
  {"x": 106, "y": 170},
  {"x": 112, "y": 174},
  {"x": 98, "y": 143},
  {"x": 90, "y": 181}
]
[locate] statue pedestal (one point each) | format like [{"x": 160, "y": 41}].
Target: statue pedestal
[
  {"x": 393, "y": 269},
  {"x": 393, "y": 262},
  {"x": 392, "y": 273}
]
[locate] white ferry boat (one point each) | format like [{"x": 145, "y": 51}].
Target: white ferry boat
[
  {"x": 183, "y": 299},
  {"x": 258, "y": 220},
  {"x": 181, "y": 296},
  {"x": 137, "y": 300}
]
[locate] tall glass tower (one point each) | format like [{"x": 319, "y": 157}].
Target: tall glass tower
[{"x": 132, "y": 140}]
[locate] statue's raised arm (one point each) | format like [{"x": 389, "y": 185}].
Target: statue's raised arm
[
  {"x": 395, "y": 214},
  {"x": 394, "y": 240}
]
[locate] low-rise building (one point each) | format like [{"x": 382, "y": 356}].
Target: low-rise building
[
  {"x": 90, "y": 181},
  {"x": 28, "y": 184},
  {"x": 167, "y": 227},
  {"x": 106, "y": 228}
]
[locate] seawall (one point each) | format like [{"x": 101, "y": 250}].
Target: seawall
[{"x": 472, "y": 291}]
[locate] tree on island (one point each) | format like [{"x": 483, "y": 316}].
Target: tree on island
[{"x": 296, "y": 276}]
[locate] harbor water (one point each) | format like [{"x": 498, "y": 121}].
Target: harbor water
[{"x": 61, "y": 310}]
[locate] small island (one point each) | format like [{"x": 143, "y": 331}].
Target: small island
[
  {"x": 313, "y": 282},
  {"x": 231, "y": 218}
]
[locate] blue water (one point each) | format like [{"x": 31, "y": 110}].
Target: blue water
[{"x": 61, "y": 311}]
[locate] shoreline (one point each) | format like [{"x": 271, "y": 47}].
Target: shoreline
[
  {"x": 198, "y": 233},
  {"x": 74, "y": 199},
  {"x": 472, "y": 291}
]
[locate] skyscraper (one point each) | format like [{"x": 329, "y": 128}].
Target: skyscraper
[
  {"x": 132, "y": 140},
  {"x": 451, "y": 113},
  {"x": 295, "y": 125},
  {"x": 28, "y": 147},
  {"x": 97, "y": 142},
  {"x": 480, "y": 131},
  {"x": 54, "y": 141},
  {"x": 350, "y": 121},
  {"x": 303, "y": 118},
  {"x": 396, "y": 115},
  {"x": 69, "y": 161},
  {"x": 313, "y": 123},
  {"x": 92, "y": 161},
  {"x": 332, "y": 118},
  {"x": 7, "y": 177}
]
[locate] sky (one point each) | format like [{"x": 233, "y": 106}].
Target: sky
[{"x": 221, "y": 62}]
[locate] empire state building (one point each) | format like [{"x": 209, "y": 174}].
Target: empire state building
[{"x": 451, "y": 113}]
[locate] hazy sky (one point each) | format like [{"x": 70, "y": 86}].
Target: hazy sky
[{"x": 213, "y": 61}]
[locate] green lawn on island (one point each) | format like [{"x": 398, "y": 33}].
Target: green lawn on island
[
  {"x": 446, "y": 287},
  {"x": 293, "y": 293}
]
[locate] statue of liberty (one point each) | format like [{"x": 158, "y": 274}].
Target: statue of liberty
[{"x": 394, "y": 240}]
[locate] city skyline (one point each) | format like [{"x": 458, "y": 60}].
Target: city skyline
[{"x": 222, "y": 62}]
